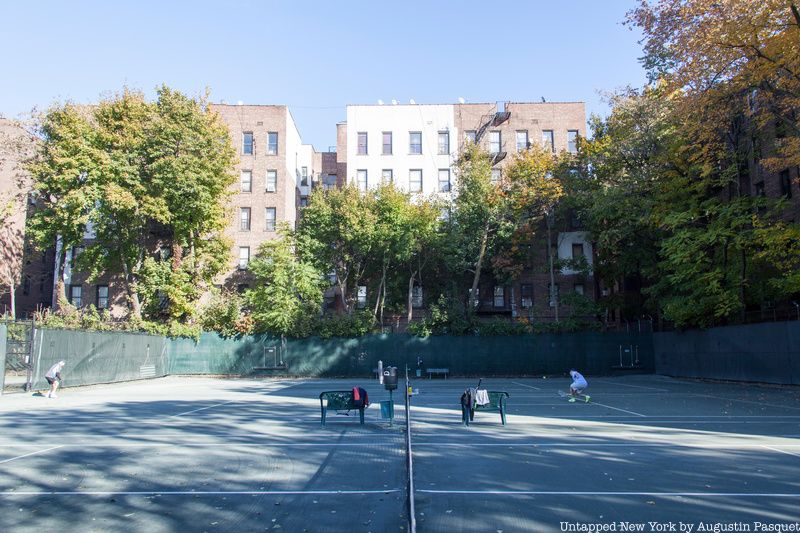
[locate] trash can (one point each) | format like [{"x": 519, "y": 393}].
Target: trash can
[
  {"x": 390, "y": 378},
  {"x": 387, "y": 409}
]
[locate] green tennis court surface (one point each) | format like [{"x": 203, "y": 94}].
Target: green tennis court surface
[{"x": 195, "y": 454}]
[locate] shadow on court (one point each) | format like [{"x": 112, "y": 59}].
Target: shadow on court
[{"x": 222, "y": 455}]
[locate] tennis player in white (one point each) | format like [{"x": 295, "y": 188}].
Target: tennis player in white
[{"x": 579, "y": 384}]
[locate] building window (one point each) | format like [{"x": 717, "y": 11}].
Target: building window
[
  {"x": 361, "y": 298},
  {"x": 102, "y": 296},
  {"x": 387, "y": 143},
  {"x": 387, "y": 176},
  {"x": 247, "y": 180},
  {"x": 244, "y": 257},
  {"x": 304, "y": 201},
  {"x": 244, "y": 219},
  {"x": 495, "y": 142},
  {"x": 786, "y": 184},
  {"x": 362, "y": 143},
  {"x": 548, "y": 140},
  {"x": 415, "y": 142},
  {"x": 416, "y": 296},
  {"x": 760, "y": 191},
  {"x": 577, "y": 250},
  {"x": 497, "y": 175},
  {"x": 303, "y": 175},
  {"x": 272, "y": 143},
  {"x": 444, "y": 180},
  {"x": 270, "y": 214},
  {"x": 361, "y": 178},
  {"x": 579, "y": 288},
  {"x": 247, "y": 143},
  {"x": 522, "y": 140},
  {"x": 415, "y": 180},
  {"x": 75, "y": 298},
  {"x": 76, "y": 252},
  {"x": 444, "y": 143},
  {"x": 499, "y": 299},
  {"x": 526, "y": 290},
  {"x": 572, "y": 141},
  {"x": 470, "y": 136},
  {"x": 553, "y": 290},
  {"x": 272, "y": 180}
]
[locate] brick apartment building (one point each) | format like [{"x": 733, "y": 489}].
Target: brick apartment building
[{"x": 415, "y": 146}]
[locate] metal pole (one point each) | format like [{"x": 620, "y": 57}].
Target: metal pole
[
  {"x": 620, "y": 356},
  {"x": 29, "y": 357},
  {"x": 3, "y": 341}
]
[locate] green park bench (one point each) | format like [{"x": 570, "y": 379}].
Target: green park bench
[
  {"x": 338, "y": 400},
  {"x": 438, "y": 372},
  {"x": 497, "y": 403}
]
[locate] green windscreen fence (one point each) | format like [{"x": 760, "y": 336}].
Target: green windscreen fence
[
  {"x": 98, "y": 357},
  {"x": 104, "y": 357},
  {"x": 597, "y": 353},
  {"x": 768, "y": 352}
]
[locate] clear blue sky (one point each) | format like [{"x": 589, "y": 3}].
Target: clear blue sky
[{"x": 317, "y": 57}]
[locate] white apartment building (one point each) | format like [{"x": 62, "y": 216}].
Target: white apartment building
[{"x": 412, "y": 146}]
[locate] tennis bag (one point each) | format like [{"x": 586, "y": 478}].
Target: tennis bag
[{"x": 360, "y": 398}]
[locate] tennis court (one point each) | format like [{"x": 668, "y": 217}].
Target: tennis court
[{"x": 203, "y": 454}]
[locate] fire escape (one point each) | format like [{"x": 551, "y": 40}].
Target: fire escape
[{"x": 492, "y": 120}]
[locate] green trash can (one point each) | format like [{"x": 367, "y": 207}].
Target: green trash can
[{"x": 387, "y": 409}]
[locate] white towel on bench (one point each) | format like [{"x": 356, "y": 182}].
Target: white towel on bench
[{"x": 482, "y": 397}]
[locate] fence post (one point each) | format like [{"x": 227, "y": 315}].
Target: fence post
[{"x": 3, "y": 330}]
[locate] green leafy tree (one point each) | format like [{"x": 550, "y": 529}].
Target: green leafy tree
[
  {"x": 337, "y": 235},
  {"x": 287, "y": 295},
  {"x": 67, "y": 183},
  {"x": 126, "y": 170}
]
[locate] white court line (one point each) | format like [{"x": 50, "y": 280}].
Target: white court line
[
  {"x": 189, "y": 492},
  {"x": 203, "y": 408},
  {"x": 29, "y": 454},
  {"x": 627, "y": 385},
  {"x": 782, "y": 451},
  {"x": 618, "y": 409},
  {"x": 618, "y": 493},
  {"x": 524, "y": 385},
  {"x": 200, "y": 445},
  {"x": 590, "y": 445}
]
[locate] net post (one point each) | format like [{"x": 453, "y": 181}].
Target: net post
[{"x": 412, "y": 521}]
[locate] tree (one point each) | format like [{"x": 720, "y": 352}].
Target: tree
[
  {"x": 336, "y": 234},
  {"x": 288, "y": 291},
  {"x": 479, "y": 214},
  {"x": 66, "y": 183},
  {"x": 488, "y": 216},
  {"x": 743, "y": 49},
  {"x": 16, "y": 146},
  {"x": 125, "y": 171}
]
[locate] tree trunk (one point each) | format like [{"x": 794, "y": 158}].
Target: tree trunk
[
  {"x": 553, "y": 294},
  {"x": 13, "y": 299},
  {"x": 742, "y": 285},
  {"x": 473, "y": 293},
  {"x": 411, "y": 296},
  {"x": 60, "y": 293},
  {"x": 133, "y": 295},
  {"x": 381, "y": 290},
  {"x": 177, "y": 256},
  {"x": 343, "y": 290}
]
